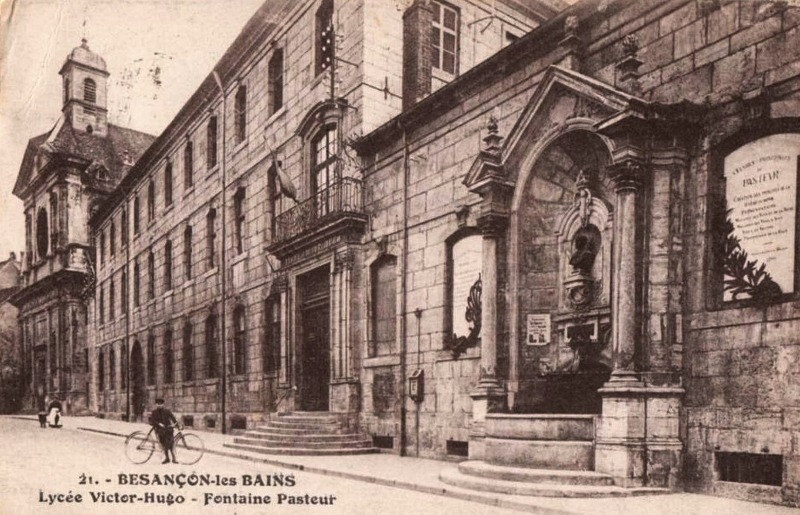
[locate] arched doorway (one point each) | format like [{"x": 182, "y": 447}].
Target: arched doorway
[
  {"x": 138, "y": 393},
  {"x": 564, "y": 231}
]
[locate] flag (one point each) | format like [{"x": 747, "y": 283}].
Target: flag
[{"x": 287, "y": 187}]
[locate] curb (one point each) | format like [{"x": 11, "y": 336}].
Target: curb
[{"x": 404, "y": 485}]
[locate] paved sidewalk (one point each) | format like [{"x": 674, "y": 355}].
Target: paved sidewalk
[{"x": 422, "y": 475}]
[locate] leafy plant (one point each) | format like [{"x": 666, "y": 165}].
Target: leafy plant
[{"x": 744, "y": 276}]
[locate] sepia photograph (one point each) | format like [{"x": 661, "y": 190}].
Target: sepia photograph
[{"x": 400, "y": 256}]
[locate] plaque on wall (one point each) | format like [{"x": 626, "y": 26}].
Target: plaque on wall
[
  {"x": 538, "y": 329},
  {"x": 761, "y": 206}
]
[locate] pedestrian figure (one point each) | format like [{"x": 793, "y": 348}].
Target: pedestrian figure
[
  {"x": 163, "y": 421},
  {"x": 43, "y": 419},
  {"x": 54, "y": 413}
]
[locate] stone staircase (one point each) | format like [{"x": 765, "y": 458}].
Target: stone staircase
[
  {"x": 312, "y": 433},
  {"x": 539, "y": 455}
]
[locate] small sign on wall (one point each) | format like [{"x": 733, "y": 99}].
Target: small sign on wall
[{"x": 538, "y": 329}]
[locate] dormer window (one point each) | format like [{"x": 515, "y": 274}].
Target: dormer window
[{"x": 89, "y": 91}]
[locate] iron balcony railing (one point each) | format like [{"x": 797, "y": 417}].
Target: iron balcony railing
[{"x": 341, "y": 198}]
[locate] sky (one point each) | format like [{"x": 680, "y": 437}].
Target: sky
[{"x": 157, "y": 53}]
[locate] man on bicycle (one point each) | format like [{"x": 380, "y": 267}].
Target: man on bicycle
[{"x": 163, "y": 421}]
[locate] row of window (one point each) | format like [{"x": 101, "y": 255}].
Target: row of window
[
  {"x": 271, "y": 351},
  {"x": 239, "y": 235}
]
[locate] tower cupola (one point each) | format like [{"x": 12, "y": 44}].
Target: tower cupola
[{"x": 85, "y": 79}]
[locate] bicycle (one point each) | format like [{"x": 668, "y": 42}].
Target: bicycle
[{"x": 140, "y": 446}]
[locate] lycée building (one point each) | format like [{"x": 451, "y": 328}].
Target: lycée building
[{"x": 529, "y": 235}]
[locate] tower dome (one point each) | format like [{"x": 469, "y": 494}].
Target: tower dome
[{"x": 83, "y": 55}]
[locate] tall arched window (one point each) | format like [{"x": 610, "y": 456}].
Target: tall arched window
[
  {"x": 323, "y": 168},
  {"x": 42, "y": 234},
  {"x": 239, "y": 340},
  {"x": 212, "y": 362},
  {"x": 188, "y": 165},
  {"x": 384, "y": 305},
  {"x": 123, "y": 293},
  {"x": 124, "y": 227},
  {"x": 188, "y": 352},
  {"x": 111, "y": 298},
  {"x": 240, "y": 114},
  {"x": 123, "y": 368},
  {"x": 89, "y": 90}
]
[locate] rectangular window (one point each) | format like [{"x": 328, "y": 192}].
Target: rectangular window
[
  {"x": 445, "y": 38},
  {"x": 169, "y": 359},
  {"x": 112, "y": 368},
  {"x": 239, "y": 341},
  {"x": 124, "y": 227},
  {"x": 239, "y": 220},
  {"x": 188, "y": 353},
  {"x": 151, "y": 275},
  {"x": 272, "y": 334},
  {"x": 211, "y": 238},
  {"x": 123, "y": 283},
  {"x": 212, "y": 365},
  {"x": 187, "y": 252},
  {"x": 384, "y": 305},
  {"x": 136, "y": 214},
  {"x": 275, "y": 84},
  {"x": 111, "y": 299},
  {"x": 102, "y": 246},
  {"x": 101, "y": 372},
  {"x": 101, "y": 305},
  {"x": 151, "y": 360},
  {"x": 188, "y": 165},
  {"x": 136, "y": 291},
  {"x": 151, "y": 201},
  {"x": 112, "y": 239},
  {"x": 240, "y": 114},
  {"x": 742, "y": 467},
  {"x": 211, "y": 143},
  {"x": 274, "y": 191},
  {"x": 168, "y": 184},
  {"x": 168, "y": 265}
]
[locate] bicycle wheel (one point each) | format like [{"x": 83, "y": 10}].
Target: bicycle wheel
[
  {"x": 189, "y": 448},
  {"x": 139, "y": 447}
]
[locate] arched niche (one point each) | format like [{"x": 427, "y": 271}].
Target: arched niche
[{"x": 562, "y": 198}]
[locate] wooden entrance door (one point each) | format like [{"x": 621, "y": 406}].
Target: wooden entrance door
[{"x": 316, "y": 359}]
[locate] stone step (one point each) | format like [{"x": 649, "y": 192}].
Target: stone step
[
  {"x": 306, "y": 420},
  {"x": 322, "y": 415},
  {"x": 531, "y": 475},
  {"x": 300, "y": 451},
  {"x": 325, "y": 427},
  {"x": 287, "y": 431},
  {"x": 544, "y": 454},
  {"x": 457, "y": 478},
  {"x": 540, "y": 427},
  {"x": 309, "y": 437},
  {"x": 307, "y": 445}
]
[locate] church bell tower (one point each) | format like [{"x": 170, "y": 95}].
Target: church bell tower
[{"x": 84, "y": 84}]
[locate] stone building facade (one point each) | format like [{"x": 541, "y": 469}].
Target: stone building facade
[
  {"x": 237, "y": 234},
  {"x": 529, "y": 235}
]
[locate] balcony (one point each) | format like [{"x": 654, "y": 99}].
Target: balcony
[{"x": 331, "y": 215}]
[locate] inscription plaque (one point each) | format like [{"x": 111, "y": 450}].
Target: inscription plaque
[
  {"x": 467, "y": 267},
  {"x": 761, "y": 201}
]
